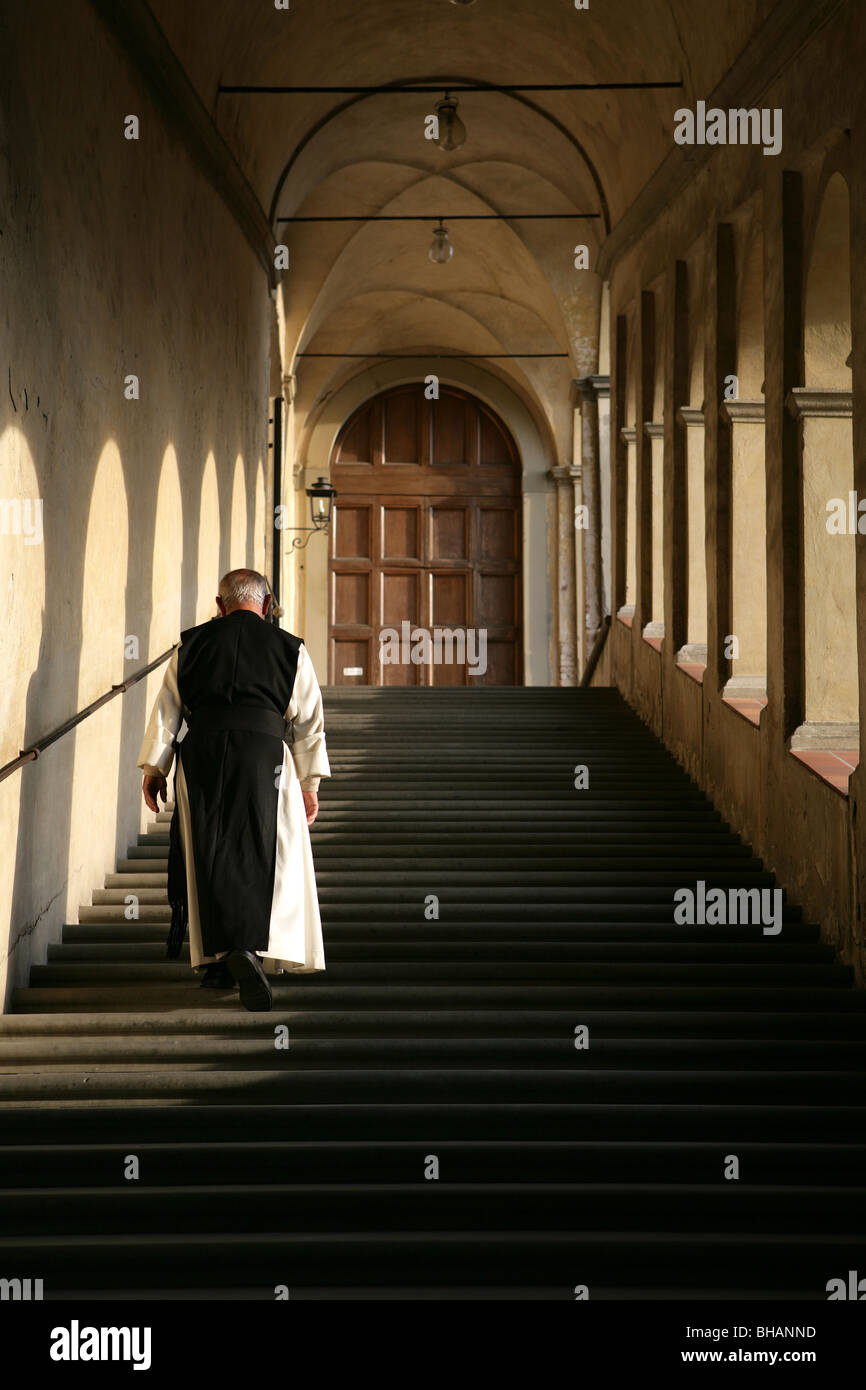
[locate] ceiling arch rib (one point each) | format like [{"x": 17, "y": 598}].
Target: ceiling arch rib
[
  {"x": 493, "y": 259},
  {"x": 625, "y": 134},
  {"x": 513, "y": 173},
  {"x": 432, "y": 330},
  {"x": 547, "y": 117},
  {"x": 372, "y": 288},
  {"x": 390, "y": 320}
]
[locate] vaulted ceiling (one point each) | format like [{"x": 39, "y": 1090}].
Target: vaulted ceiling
[{"x": 369, "y": 287}]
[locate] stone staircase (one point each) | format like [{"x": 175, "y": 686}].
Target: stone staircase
[{"x": 449, "y": 1041}]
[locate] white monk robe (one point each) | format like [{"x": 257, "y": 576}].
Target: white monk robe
[{"x": 295, "y": 939}]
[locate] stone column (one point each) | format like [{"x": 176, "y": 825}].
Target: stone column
[
  {"x": 568, "y": 553},
  {"x": 596, "y": 498},
  {"x": 292, "y": 575},
  {"x": 654, "y": 434},
  {"x": 601, "y": 385}
]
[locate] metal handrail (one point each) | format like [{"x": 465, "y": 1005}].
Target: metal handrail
[
  {"x": 597, "y": 649},
  {"x": 30, "y": 754}
]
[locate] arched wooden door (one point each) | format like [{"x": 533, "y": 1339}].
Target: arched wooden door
[{"x": 426, "y": 538}]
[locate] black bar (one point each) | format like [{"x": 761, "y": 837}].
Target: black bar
[
  {"x": 435, "y": 357},
  {"x": 252, "y": 89},
  {"x": 451, "y": 217},
  {"x": 597, "y": 649},
  {"x": 278, "y": 487}
]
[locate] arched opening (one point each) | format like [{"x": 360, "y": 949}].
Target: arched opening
[
  {"x": 830, "y": 514},
  {"x": 426, "y": 539}
]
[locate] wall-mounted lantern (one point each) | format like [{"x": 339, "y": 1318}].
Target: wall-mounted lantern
[{"x": 321, "y": 495}]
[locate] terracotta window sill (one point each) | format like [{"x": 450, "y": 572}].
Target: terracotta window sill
[
  {"x": 749, "y": 708},
  {"x": 833, "y": 768},
  {"x": 693, "y": 670}
]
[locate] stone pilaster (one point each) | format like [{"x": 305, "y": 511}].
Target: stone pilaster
[
  {"x": 569, "y": 565},
  {"x": 589, "y": 391}
]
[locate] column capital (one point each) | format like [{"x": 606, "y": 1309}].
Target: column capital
[
  {"x": 654, "y": 429},
  {"x": 589, "y": 388},
  {"x": 691, "y": 415},
  {"x": 742, "y": 412},
  {"x": 564, "y": 472},
  {"x": 290, "y": 386},
  {"x": 823, "y": 402}
]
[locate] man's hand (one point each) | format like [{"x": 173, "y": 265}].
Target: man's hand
[
  {"x": 311, "y": 806},
  {"x": 152, "y": 787}
]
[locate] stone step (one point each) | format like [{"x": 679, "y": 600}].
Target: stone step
[
  {"x": 137, "y": 1208},
  {"x": 121, "y": 993},
  {"x": 461, "y": 974},
  {"x": 396, "y": 1160},
  {"x": 798, "y": 938},
  {"x": 70, "y": 1052},
  {"x": 408, "y": 907},
  {"x": 775, "y": 1262},
  {"x": 204, "y": 1015},
  {"x": 264, "y": 1165},
  {"x": 93, "y": 1119},
  {"x": 529, "y": 951},
  {"x": 137, "y": 878},
  {"x": 395, "y": 1085}
]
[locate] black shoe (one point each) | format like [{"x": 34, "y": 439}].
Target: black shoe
[
  {"x": 255, "y": 990},
  {"x": 217, "y": 976}
]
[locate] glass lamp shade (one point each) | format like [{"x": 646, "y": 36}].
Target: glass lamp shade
[
  {"x": 321, "y": 496},
  {"x": 452, "y": 131},
  {"x": 441, "y": 249}
]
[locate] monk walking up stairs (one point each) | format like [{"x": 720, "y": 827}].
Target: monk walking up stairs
[{"x": 523, "y": 1073}]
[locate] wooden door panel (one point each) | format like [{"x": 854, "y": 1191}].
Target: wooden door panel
[
  {"x": 444, "y": 673},
  {"x": 401, "y": 429},
  {"x": 450, "y": 432},
  {"x": 351, "y": 603},
  {"x": 401, "y": 530},
  {"x": 401, "y": 598},
  {"x": 352, "y": 527},
  {"x": 449, "y": 599},
  {"x": 494, "y": 447},
  {"x": 402, "y": 673},
  {"x": 357, "y": 442},
  {"x": 448, "y": 532},
  {"x": 496, "y": 604},
  {"x": 501, "y": 664},
  {"x": 350, "y": 661},
  {"x": 498, "y": 531}
]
